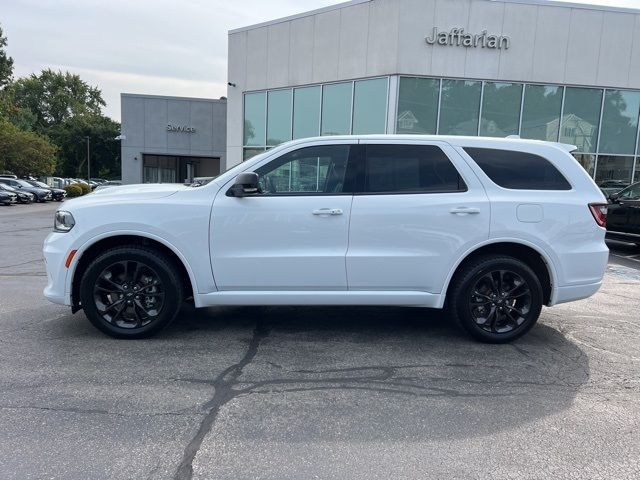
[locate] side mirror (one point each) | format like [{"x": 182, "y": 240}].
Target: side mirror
[
  {"x": 245, "y": 184},
  {"x": 614, "y": 197}
]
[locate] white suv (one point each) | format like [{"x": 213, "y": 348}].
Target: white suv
[{"x": 490, "y": 228}]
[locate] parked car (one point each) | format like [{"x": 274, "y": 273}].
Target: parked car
[
  {"x": 612, "y": 186},
  {"x": 492, "y": 228},
  {"x": 6, "y": 175},
  {"x": 22, "y": 197},
  {"x": 623, "y": 221},
  {"x": 41, "y": 194},
  {"x": 199, "y": 181},
  {"x": 108, "y": 184},
  {"x": 8, "y": 198},
  {"x": 57, "y": 194}
]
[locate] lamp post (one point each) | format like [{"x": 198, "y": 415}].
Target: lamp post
[{"x": 88, "y": 160}]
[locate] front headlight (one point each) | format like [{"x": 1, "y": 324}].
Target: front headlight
[{"x": 63, "y": 221}]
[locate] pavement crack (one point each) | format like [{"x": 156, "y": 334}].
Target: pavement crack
[{"x": 223, "y": 394}]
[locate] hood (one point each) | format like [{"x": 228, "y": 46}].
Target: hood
[
  {"x": 143, "y": 190},
  {"x": 147, "y": 191}
]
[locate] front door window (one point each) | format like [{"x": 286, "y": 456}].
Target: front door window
[{"x": 313, "y": 170}]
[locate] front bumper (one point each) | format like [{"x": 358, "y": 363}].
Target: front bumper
[{"x": 55, "y": 250}]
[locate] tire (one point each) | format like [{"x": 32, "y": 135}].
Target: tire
[
  {"x": 500, "y": 319},
  {"x": 131, "y": 292}
]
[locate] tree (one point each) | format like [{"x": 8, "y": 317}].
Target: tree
[
  {"x": 71, "y": 135},
  {"x": 25, "y": 153},
  {"x": 55, "y": 97},
  {"x": 6, "y": 62}
]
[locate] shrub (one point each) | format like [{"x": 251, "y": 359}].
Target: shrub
[
  {"x": 73, "y": 190},
  {"x": 85, "y": 188}
]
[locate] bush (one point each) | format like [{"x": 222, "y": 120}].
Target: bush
[
  {"x": 85, "y": 188},
  {"x": 73, "y": 190}
]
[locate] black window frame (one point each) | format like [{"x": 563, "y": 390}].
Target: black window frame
[
  {"x": 362, "y": 174},
  {"x": 470, "y": 152}
]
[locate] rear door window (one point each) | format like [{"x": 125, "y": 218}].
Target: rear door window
[
  {"x": 410, "y": 169},
  {"x": 518, "y": 170}
]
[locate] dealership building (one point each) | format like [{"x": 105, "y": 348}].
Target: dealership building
[
  {"x": 539, "y": 69},
  {"x": 171, "y": 139}
]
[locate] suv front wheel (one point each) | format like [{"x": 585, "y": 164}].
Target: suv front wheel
[
  {"x": 496, "y": 299},
  {"x": 131, "y": 292}
]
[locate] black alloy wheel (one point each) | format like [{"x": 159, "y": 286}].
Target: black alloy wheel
[
  {"x": 496, "y": 299},
  {"x": 500, "y": 301},
  {"x": 131, "y": 292}
]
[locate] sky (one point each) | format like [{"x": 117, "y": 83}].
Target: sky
[{"x": 161, "y": 47}]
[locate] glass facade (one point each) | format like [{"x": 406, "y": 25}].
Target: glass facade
[
  {"x": 500, "y": 109},
  {"x": 602, "y": 123},
  {"x": 278, "y": 117},
  {"x": 336, "y": 109},
  {"x": 541, "y": 112},
  {"x": 370, "y": 106},
  {"x": 418, "y": 100},
  {"x": 306, "y": 112},
  {"x": 460, "y": 107}
]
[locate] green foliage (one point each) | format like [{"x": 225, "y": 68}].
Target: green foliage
[
  {"x": 54, "y": 97},
  {"x": 105, "y": 150},
  {"x": 25, "y": 153},
  {"x": 73, "y": 190},
  {"x": 66, "y": 109},
  {"x": 6, "y": 62},
  {"x": 84, "y": 187}
]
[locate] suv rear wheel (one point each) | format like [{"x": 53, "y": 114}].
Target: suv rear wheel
[
  {"x": 131, "y": 292},
  {"x": 496, "y": 299}
]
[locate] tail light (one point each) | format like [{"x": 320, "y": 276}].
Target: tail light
[{"x": 599, "y": 212}]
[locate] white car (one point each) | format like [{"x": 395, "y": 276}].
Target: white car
[{"x": 492, "y": 229}]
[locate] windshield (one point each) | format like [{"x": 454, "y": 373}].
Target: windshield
[{"x": 24, "y": 183}]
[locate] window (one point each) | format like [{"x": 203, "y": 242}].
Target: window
[
  {"x": 306, "y": 112},
  {"x": 336, "y": 109},
  {"x": 319, "y": 169},
  {"x": 581, "y": 117},
  {"x": 541, "y": 112},
  {"x": 614, "y": 167},
  {"x": 587, "y": 161},
  {"x": 460, "y": 107},
  {"x": 255, "y": 105},
  {"x": 631, "y": 193},
  {"x": 417, "y": 105},
  {"x": 619, "y": 122},
  {"x": 500, "y": 109},
  {"x": 278, "y": 117},
  {"x": 518, "y": 170},
  {"x": 410, "y": 169},
  {"x": 370, "y": 106}
]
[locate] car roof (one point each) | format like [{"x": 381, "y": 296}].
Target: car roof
[{"x": 455, "y": 140}]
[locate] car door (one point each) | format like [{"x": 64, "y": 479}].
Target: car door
[
  {"x": 420, "y": 207},
  {"x": 294, "y": 234}
]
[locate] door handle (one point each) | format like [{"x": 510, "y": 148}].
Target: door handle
[
  {"x": 464, "y": 211},
  {"x": 328, "y": 211}
]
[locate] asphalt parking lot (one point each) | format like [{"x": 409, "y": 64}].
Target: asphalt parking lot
[{"x": 276, "y": 393}]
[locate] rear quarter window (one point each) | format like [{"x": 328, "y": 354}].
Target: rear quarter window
[{"x": 518, "y": 170}]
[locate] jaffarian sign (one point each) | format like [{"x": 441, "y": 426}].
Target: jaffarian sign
[{"x": 458, "y": 38}]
